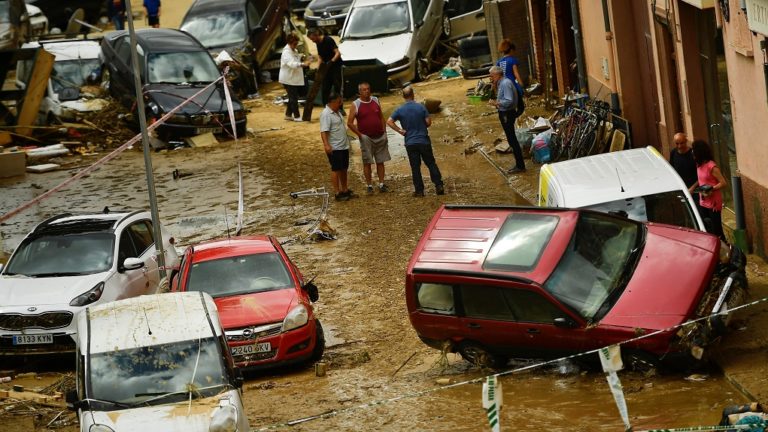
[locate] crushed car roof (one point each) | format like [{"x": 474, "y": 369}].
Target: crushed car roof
[{"x": 151, "y": 320}]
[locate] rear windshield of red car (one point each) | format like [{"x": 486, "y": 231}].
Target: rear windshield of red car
[{"x": 520, "y": 242}]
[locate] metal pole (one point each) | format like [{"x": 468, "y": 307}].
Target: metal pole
[{"x": 145, "y": 142}]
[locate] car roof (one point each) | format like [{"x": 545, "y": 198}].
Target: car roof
[
  {"x": 206, "y": 6},
  {"x": 150, "y": 320},
  {"x": 612, "y": 176},
  {"x": 69, "y": 49},
  {"x": 459, "y": 238},
  {"x": 359, "y": 3},
  {"x": 81, "y": 223},
  {"x": 161, "y": 40},
  {"x": 235, "y": 246}
]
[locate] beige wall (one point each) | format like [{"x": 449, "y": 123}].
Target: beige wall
[{"x": 595, "y": 48}]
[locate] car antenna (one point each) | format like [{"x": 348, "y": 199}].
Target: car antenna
[
  {"x": 149, "y": 329},
  {"x": 106, "y": 210},
  {"x": 619, "y": 177},
  {"x": 226, "y": 221}
]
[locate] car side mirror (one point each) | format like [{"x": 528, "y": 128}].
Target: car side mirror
[
  {"x": 73, "y": 403},
  {"x": 132, "y": 264},
  {"x": 238, "y": 379},
  {"x": 564, "y": 323},
  {"x": 311, "y": 290}
]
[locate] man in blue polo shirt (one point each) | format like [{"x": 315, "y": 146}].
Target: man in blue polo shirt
[{"x": 414, "y": 121}]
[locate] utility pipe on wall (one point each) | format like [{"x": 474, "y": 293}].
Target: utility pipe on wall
[
  {"x": 615, "y": 105},
  {"x": 582, "y": 70}
]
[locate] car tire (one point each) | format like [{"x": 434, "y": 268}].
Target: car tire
[
  {"x": 445, "y": 29},
  {"x": 422, "y": 68},
  {"x": 317, "y": 352},
  {"x": 640, "y": 361},
  {"x": 479, "y": 356}
]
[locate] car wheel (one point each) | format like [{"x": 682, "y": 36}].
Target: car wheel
[
  {"x": 640, "y": 361},
  {"x": 317, "y": 353},
  {"x": 446, "y": 30},
  {"x": 422, "y": 67},
  {"x": 479, "y": 356}
]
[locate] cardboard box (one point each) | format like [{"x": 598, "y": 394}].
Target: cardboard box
[{"x": 12, "y": 164}]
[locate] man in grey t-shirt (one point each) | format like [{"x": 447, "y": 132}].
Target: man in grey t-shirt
[{"x": 334, "y": 135}]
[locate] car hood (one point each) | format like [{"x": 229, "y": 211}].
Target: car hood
[
  {"x": 24, "y": 291},
  {"x": 167, "y": 96},
  {"x": 322, "y": 5},
  {"x": 670, "y": 278},
  {"x": 256, "y": 308},
  {"x": 177, "y": 417},
  {"x": 386, "y": 49}
]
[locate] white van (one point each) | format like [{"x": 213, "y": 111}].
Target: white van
[
  {"x": 638, "y": 183},
  {"x": 156, "y": 363}
]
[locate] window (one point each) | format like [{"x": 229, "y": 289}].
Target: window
[
  {"x": 435, "y": 298},
  {"x": 520, "y": 242},
  {"x": 419, "y": 10},
  {"x": 182, "y": 67},
  {"x": 254, "y": 16},
  {"x": 141, "y": 232},
  {"x": 63, "y": 255},
  {"x": 670, "y": 208},
  {"x": 123, "y": 49},
  {"x": 217, "y": 30},
  {"x": 377, "y": 20},
  {"x": 485, "y": 302},
  {"x": 239, "y": 274},
  {"x": 529, "y": 306},
  {"x": 126, "y": 249}
]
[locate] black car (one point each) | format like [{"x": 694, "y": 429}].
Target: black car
[
  {"x": 249, "y": 30},
  {"x": 298, "y": 6},
  {"x": 174, "y": 66},
  {"x": 59, "y": 12},
  {"x": 328, "y": 15}
]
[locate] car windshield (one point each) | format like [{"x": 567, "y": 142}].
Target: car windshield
[
  {"x": 368, "y": 22},
  {"x": 63, "y": 255},
  {"x": 5, "y": 12},
  {"x": 182, "y": 67},
  {"x": 73, "y": 73},
  {"x": 596, "y": 263},
  {"x": 158, "y": 374},
  {"x": 520, "y": 242},
  {"x": 221, "y": 29},
  {"x": 239, "y": 275},
  {"x": 670, "y": 208}
]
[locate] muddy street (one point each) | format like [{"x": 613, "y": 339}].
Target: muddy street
[{"x": 373, "y": 355}]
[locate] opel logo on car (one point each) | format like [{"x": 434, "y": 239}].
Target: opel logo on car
[
  {"x": 31, "y": 309},
  {"x": 248, "y": 333}
]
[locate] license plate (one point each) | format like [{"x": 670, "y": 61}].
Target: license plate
[
  {"x": 326, "y": 23},
  {"x": 209, "y": 129},
  {"x": 33, "y": 339},
  {"x": 251, "y": 349}
]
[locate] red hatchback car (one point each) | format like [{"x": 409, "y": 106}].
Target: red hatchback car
[
  {"x": 264, "y": 303},
  {"x": 494, "y": 283}
]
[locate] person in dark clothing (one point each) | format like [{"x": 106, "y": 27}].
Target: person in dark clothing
[
  {"x": 681, "y": 159},
  {"x": 152, "y": 9},
  {"x": 116, "y": 12},
  {"x": 329, "y": 53},
  {"x": 506, "y": 103}
]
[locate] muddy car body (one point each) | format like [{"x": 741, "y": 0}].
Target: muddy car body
[
  {"x": 328, "y": 15},
  {"x": 462, "y": 18},
  {"x": 76, "y": 66},
  {"x": 156, "y": 362},
  {"x": 399, "y": 34},
  {"x": 69, "y": 262},
  {"x": 248, "y": 30},
  {"x": 173, "y": 67},
  {"x": 495, "y": 283},
  {"x": 14, "y": 24},
  {"x": 263, "y": 300}
]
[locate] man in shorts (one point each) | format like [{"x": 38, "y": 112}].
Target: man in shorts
[
  {"x": 152, "y": 9},
  {"x": 366, "y": 120},
  {"x": 336, "y": 146}
]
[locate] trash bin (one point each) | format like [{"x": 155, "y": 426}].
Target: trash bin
[{"x": 372, "y": 71}]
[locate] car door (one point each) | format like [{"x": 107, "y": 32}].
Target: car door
[
  {"x": 121, "y": 76},
  {"x": 143, "y": 239},
  {"x": 466, "y": 17},
  {"x": 126, "y": 283},
  {"x": 419, "y": 18},
  {"x": 487, "y": 320}
]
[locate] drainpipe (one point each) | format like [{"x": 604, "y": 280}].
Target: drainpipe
[
  {"x": 615, "y": 106},
  {"x": 576, "y": 18},
  {"x": 739, "y": 234}
]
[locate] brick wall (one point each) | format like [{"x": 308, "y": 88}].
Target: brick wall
[{"x": 513, "y": 25}]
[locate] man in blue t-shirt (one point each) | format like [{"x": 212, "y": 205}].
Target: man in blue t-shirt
[{"x": 414, "y": 121}]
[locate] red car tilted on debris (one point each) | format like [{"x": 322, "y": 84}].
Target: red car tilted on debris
[
  {"x": 262, "y": 298},
  {"x": 495, "y": 283}
]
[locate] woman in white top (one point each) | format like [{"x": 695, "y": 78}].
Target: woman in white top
[{"x": 292, "y": 76}]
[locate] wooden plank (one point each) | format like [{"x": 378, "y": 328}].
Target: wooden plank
[
  {"x": 38, "y": 83},
  {"x": 5, "y": 138},
  {"x": 41, "y": 399},
  {"x": 309, "y": 104}
]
